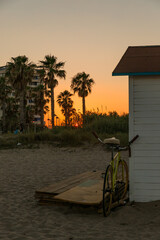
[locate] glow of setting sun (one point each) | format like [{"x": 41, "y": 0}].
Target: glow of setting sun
[{"x": 88, "y": 35}]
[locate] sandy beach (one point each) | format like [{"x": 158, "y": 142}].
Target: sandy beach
[{"x": 23, "y": 171}]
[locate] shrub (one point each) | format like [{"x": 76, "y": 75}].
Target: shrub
[{"x": 105, "y": 126}]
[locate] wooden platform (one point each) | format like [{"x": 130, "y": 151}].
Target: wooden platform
[{"x": 83, "y": 189}]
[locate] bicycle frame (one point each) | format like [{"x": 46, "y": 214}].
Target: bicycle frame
[
  {"x": 115, "y": 183},
  {"x": 114, "y": 163}
]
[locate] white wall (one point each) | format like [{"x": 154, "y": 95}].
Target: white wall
[{"x": 144, "y": 119}]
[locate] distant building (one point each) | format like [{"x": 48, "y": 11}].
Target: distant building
[
  {"x": 2, "y": 71},
  {"x": 34, "y": 83}
]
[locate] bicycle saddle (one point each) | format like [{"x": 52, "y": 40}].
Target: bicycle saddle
[{"x": 112, "y": 140}]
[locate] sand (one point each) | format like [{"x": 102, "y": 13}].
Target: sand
[{"x": 22, "y": 171}]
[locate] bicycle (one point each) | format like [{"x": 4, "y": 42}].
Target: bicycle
[{"x": 116, "y": 178}]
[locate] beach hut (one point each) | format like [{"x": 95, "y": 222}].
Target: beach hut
[{"x": 142, "y": 65}]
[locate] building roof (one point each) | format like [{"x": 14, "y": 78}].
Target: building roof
[{"x": 139, "y": 60}]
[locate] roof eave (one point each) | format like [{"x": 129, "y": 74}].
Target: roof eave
[{"x": 136, "y": 74}]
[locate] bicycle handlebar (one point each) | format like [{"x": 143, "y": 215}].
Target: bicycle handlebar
[
  {"x": 130, "y": 142},
  {"x": 118, "y": 147},
  {"x": 95, "y": 134},
  {"x": 133, "y": 139}
]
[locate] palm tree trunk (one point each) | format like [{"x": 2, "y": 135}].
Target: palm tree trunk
[
  {"x": 42, "y": 111},
  {"x": 42, "y": 117},
  {"x": 22, "y": 111},
  {"x": 4, "y": 116},
  {"x": 67, "y": 118},
  {"x": 83, "y": 106},
  {"x": 52, "y": 106},
  {"x": 65, "y": 115}
]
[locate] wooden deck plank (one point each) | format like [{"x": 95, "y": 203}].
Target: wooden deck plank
[
  {"x": 83, "y": 189},
  {"x": 64, "y": 185},
  {"x": 86, "y": 193}
]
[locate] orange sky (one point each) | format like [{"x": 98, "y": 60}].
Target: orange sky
[
  {"x": 89, "y": 35},
  {"x": 104, "y": 96}
]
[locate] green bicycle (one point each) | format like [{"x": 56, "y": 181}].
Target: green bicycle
[{"x": 116, "y": 178}]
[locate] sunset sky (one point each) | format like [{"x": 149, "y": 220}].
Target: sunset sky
[{"x": 88, "y": 35}]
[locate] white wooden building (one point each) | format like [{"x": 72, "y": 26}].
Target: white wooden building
[{"x": 142, "y": 65}]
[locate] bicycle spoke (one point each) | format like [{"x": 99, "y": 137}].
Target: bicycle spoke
[
  {"x": 122, "y": 179},
  {"x": 107, "y": 190}
]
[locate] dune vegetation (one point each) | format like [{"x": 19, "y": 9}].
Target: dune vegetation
[
  {"x": 104, "y": 125},
  {"x": 25, "y": 91}
]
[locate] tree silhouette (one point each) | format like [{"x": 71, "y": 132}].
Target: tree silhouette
[
  {"x": 53, "y": 70},
  {"x": 19, "y": 73},
  {"x": 5, "y": 90},
  {"x": 65, "y": 102},
  {"x": 82, "y": 84}
]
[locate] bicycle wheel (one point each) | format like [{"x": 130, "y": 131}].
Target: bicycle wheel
[
  {"x": 122, "y": 179},
  {"x": 107, "y": 190}
]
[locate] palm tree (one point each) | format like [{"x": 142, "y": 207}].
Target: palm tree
[
  {"x": 5, "y": 90},
  {"x": 11, "y": 114},
  {"x": 77, "y": 119},
  {"x": 65, "y": 102},
  {"x": 40, "y": 102},
  {"x": 40, "y": 92},
  {"x": 53, "y": 70},
  {"x": 82, "y": 84},
  {"x": 20, "y": 72}
]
